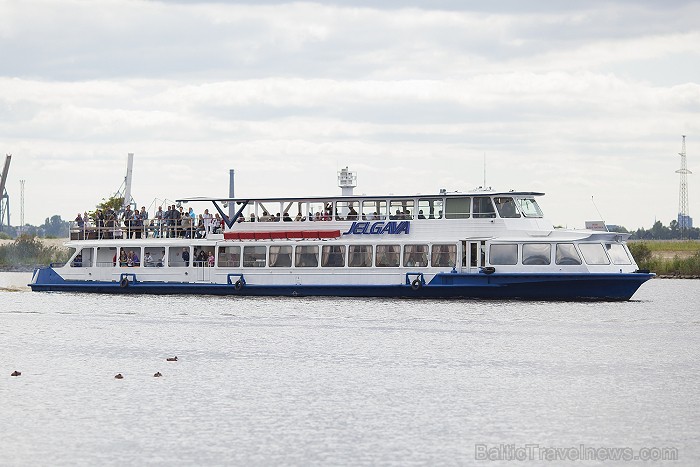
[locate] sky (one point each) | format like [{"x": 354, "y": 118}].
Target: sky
[{"x": 585, "y": 101}]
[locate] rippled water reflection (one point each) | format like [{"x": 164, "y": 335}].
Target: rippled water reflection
[{"x": 340, "y": 381}]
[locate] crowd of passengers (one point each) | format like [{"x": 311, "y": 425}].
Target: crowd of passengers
[
  {"x": 172, "y": 222},
  {"x": 326, "y": 215}
]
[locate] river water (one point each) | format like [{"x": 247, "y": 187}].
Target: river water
[{"x": 263, "y": 381}]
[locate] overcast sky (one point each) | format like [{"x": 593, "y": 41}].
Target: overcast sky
[{"x": 575, "y": 99}]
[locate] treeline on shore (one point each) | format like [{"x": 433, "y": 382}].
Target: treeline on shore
[
  {"x": 681, "y": 258},
  {"x": 27, "y": 252}
]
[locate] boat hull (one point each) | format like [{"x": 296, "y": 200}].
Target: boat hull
[{"x": 522, "y": 286}]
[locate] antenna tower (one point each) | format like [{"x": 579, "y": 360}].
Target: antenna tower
[{"x": 685, "y": 222}]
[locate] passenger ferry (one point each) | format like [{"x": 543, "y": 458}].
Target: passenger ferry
[{"x": 481, "y": 244}]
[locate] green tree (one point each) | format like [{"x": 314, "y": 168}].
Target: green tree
[{"x": 55, "y": 227}]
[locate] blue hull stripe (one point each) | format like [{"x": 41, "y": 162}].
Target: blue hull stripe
[{"x": 449, "y": 285}]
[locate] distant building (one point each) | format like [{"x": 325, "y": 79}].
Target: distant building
[{"x": 684, "y": 221}]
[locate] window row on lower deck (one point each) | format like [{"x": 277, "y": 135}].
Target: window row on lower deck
[
  {"x": 274, "y": 256},
  {"x": 540, "y": 254}
]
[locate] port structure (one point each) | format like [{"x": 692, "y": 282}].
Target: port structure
[{"x": 4, "y": 197}]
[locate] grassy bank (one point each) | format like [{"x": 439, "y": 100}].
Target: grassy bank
[
  {"x": 27, "y": 252},
  {"x": 668, "y": 258}
]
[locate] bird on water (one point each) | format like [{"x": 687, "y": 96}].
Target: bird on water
[{"x": 171, "y": 359}]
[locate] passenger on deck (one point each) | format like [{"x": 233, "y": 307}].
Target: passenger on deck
[
  {"x": 208, "y": 218},
  {"x": 135, "y": 259},
  {"x": 200, "y": 227},
  {"x": 186, "y": 224},
  {"x": 201, "y": 258},
  {"x": 352, "y": 214},
  {"x": 299, "y": 218},
  {"x": 252, "y": 217},
  {"x": 186, "y": 256},
  {"x": 210, "y": 259},
  {"x": 420, "y": 214},
  {"x": 123, "y": 258},
  {"x": 144, "y": 221},
  {"x": 286, "y": 217},
  {"x": 128, "y": 218},
  {"x": 148, "y": 260},
  {"x": 158, "y": 232}
]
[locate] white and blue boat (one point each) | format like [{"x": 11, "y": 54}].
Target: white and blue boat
[{"x": 480, "y": 244}]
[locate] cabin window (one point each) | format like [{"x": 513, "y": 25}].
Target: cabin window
[
  {"x": 430, "y": 208},
  {"x": 174, "y": 257},
  {"x": 529, "y": 207},
  {"x": 229, "y": 256},
  {"x": 347, "y": 211},
  {"x": 506, "y": 207},
  {"x": 566, "y": 255},
  {"x": 401, "y": 209},
  {"x": 269, "y": 212},
  {"x": 320, "y": 211},
  {"x": 388, "y": 256},
  {"x": 618, "y": 254},
  {"x": 153, "y": 257},
  {"x": 374, "y": 210},
  {"x": 306, "y": 256},
  {"x": 457, "y": 207},
  {"x": 106, "y": 257},
  {"x": 280, "y": 256},
  {"x": 537, "y": 254},
  {"x": 415, "y": 256},
  {"x": 483, "y": 207},
  {"x": 83, "y": 259},
  {"x": 504, "y": 254},
  {"x": 360, "y": 256},
  {"x": 254, "y": 256},
  {"x": 594, "y": 253},
  {"x": 129, "y": 257},
  {"x": 333, "y": 256},
  {"x": 444, "y": 256}
]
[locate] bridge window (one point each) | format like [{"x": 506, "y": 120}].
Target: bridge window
[
  {"x": 388, "y": 256},
  {"x": 536, "y": 254},
  {"x": 566, "y": 255},
  {"x": 306, "y": 256},
  {"x": 281, "y": 256},
  {"x": 415, "y": 256},
  {"x": 401, "y": 209},
  {"x": 374, "y": 210},
  {"x": 360, "y": 256},
  {"x": 444, "y": 256},
  {"x": 333, "y": 256},
  {"x": 529, "y": 207},
  {"x": 483, "y": 207},
  {"x": 254, "y": 256},
  {"x": 430, "y": 208},
  {"x": 457, "y": 207},
  {"x": 506, "y": 207},
  {"x": 229, "y": 256},
  {"x": 618, "y": 254},
  {"x": 594, "y": 253},
  {"x": 503, "y": 254}
]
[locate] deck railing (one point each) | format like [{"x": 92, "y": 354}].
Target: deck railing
[{"x": 126, "y": 230}]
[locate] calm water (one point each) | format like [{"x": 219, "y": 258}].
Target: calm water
[{"x": 341, "y": 381}]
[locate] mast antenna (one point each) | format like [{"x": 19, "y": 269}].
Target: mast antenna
[{"x": 685, "y": 222}]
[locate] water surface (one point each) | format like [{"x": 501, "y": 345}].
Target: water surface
[{"x": 328, "y": 381}]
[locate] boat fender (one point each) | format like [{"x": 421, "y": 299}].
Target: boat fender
[
  {"x": 416, "y": 284},
  {"x": 238, "y": 285},
  {"x": 489, "y": 270},
  {"x": 124, "y": 282}
]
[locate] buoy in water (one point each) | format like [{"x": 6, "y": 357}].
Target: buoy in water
[
  {"x": 16, "y": 373},
  {"x": 157, "y": 375}
]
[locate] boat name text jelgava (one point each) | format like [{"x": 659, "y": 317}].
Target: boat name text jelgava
[{"x": 378, "y": 228}]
